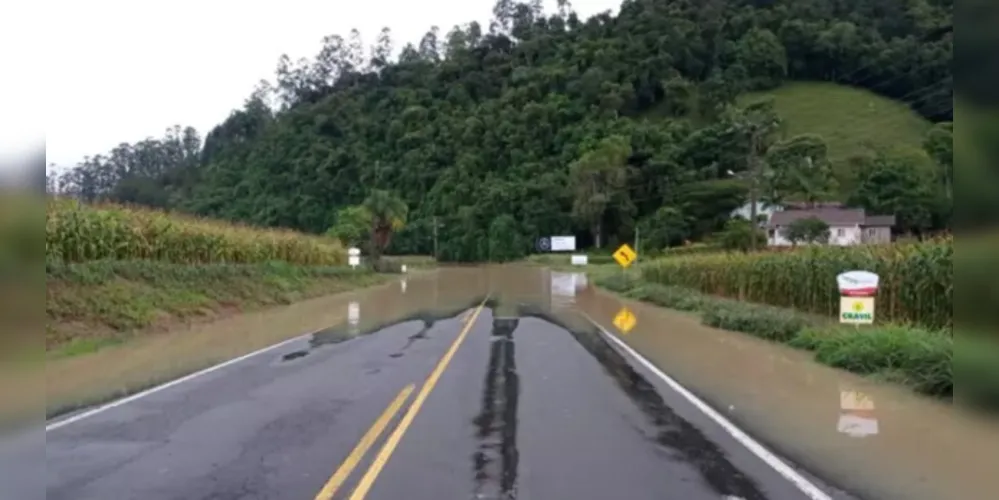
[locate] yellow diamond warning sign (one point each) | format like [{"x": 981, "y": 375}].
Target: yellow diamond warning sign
[
  {"x": 625, "y": 320},
  {"x": 625, "y": 255}
]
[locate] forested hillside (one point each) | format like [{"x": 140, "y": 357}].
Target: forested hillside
[{"x": 539, "y": 124}]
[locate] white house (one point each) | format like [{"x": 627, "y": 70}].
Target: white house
[{"x": 847, "y": 226}]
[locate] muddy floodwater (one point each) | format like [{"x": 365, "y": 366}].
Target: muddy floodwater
[{"x": 869, "y": 439}]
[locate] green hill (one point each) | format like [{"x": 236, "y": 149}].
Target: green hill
[
  {"x": 531, "y": 125},
  {"x": 850, "y": 119}
]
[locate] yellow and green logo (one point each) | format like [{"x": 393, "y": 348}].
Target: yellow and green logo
[{"x": 858, "y": 313}]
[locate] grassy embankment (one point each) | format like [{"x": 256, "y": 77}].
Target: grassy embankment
[
  {"x": 114, "y": 272},
  {"x": 851, "y": 120},
  {"x": 791, "y": 297}
]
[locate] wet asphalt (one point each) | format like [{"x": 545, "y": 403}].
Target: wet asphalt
[{"x": 530, "y": 406}]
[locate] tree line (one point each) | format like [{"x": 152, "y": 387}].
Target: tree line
[{"x": 476, "y": 141}]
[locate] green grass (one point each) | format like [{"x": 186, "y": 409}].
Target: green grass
[
  {"x": 850, "y": 119},
  {"x": 94, "y": 304},
  {"x": 928, "y": 361}
]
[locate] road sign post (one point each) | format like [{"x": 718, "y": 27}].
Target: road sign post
[
  {"x": 625, "y": 256},
  {"x": 354, "y": 257},
  {"x": 857, "y": 290}
]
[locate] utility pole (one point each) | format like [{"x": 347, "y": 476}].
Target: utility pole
[
  {"x": 754, "y": 174},
  {"x": 435, "y": 237},
  {"x": 638, "y": 248}
]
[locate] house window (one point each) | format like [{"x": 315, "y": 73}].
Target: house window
[
  {"x": 840, "y": 232},
  {"x": 871, "y": 232}
]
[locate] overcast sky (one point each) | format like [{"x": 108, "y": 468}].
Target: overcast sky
[{"x": 124, "y": 70}]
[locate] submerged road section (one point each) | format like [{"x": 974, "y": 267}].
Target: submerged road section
[{"x": 501, "y": 400}]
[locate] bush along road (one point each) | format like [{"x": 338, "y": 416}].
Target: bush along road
[{"x": 928, "y": 360}]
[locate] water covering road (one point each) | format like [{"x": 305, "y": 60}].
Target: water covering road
[{"x": 492, "y": 383}]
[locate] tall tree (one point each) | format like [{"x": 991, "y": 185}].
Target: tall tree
[
  {"x": 801, "y": 171},
  {"x": 758, "y": 125},
  {"x": 388, "y": 215},
  {"x": 597, "y": 177},
  {"x": 381, "y": 53},
  {"x": 939, "y": 144},
  {"x": 352, "y": 225},
  {"x": 896, "y": 186}
]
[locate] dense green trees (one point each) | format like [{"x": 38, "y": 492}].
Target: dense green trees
[{"x": 540, "y": 123}]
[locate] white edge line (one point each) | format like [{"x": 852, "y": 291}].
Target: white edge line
[
  {"x": 807, "y": 487},
  {"x": 153, "y": 390}
]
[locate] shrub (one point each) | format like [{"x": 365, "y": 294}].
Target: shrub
[
  {"x": 916, "y": 357},
  {"x": 617, "y": 281},
  {"x": 766, "y": 322},
  {"x": 692, "y": 249},
  {"x": 681, "y": 299}
]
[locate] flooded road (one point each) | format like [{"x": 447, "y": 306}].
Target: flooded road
[{"x": 419, "y": 389}]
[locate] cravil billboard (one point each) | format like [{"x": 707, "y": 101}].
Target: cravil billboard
[{"x": 857, "y": 290}]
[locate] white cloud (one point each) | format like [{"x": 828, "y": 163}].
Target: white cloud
[
  {"x": 125, "y": 70},
  {"x": 22, "y": 115}
]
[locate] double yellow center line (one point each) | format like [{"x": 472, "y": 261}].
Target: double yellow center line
[{"x": 369, "y": 438}]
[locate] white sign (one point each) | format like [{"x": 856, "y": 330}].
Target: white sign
[
  {"x": 563, "y": 243},
  {"x": 857, "y": 415},
  {"x": 580, "y": 260},
  {"x": 857, "y": 283},
  {"x": 354, "y": 261},
  {"x": 403, "y": 268},
  {"x": 856, "y": 310},
  {"x": 354, "y": 251},
  {"x": 856, "y": 303}
]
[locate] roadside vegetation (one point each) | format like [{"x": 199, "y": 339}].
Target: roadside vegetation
[
  {"x": 76, "y": 232},
  {"x": 660, "y": 120},
  {"x": 92, "y": 304},
  {"x": 791, "y": 298},
  {"x": 113, "y": 272},
  {"x": 916, "y": 278}
]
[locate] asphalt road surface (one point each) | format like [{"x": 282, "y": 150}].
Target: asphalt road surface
[{"x": 474, "y": 405}]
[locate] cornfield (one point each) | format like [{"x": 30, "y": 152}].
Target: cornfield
[
  {"x": 75, "y": 232},
  {"x": 916, "y": 278}
]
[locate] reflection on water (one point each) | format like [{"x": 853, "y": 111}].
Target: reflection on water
[
  {"x": 857, "y": 417},
  {"x": 115, "y": 371},
  {"x": 879, "y": 441},
  {"x": 353, "y": 316},
  {"x": 564, "y": 287},
  {"x": 912, "y": 447}
]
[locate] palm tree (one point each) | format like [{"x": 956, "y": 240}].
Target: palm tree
[{"x": 388, "y": 214}]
